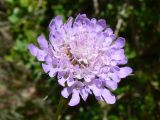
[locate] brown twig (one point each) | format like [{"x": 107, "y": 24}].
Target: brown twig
[
  {"x": 96, "y": 6},
  {"x": 120, "y": 19}
]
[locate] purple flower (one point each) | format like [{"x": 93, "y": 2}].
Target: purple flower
[{"x": 85, "y": 56}]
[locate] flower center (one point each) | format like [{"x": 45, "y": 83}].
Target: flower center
[{"x": 73, "y": 60}]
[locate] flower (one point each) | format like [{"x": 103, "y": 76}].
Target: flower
[{"x": 85, "y": 56}]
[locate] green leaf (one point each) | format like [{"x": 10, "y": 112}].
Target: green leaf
[
  {"x": 13, "y": 18},
  {"x": 24, "y": 3}
]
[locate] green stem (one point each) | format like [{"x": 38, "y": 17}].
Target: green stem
[{"x": 60, "y": 108}]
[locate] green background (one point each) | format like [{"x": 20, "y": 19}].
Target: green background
[{"x": 23, "y": 84}]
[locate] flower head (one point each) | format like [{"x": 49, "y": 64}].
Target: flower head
[{"x": 85, "y": 56}]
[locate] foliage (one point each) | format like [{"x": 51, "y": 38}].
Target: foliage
[{"x": 26, "y": 93}]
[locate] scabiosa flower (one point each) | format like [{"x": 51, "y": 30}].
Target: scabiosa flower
[{"x": 85, "y": 56}]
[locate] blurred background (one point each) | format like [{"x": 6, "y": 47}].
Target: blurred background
[{"x": 24, "y": 86}]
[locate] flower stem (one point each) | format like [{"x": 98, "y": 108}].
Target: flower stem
[{"x": 61, "y": 108}]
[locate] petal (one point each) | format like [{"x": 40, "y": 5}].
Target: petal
[
  {"x": 102, "y": 22},
  {"x": 33, "y": 49},
  {"x": 87, "y": 89},
  {"x": 96, "y": 91},
  {"x": 48, "y": 59},
  {"x": 78, "y": 76},
  {"x": 103, "y": 76},
  {"x": 124, "y": 72},
  {"x": 99, "y": 98},
  {"x": 52, "y": 72},
  {"x": 113, "y": 63},
  {"x": 119, "y": 43},
  {"x": 42, "y": 42},
  {"x": 62, "y": 81},
  {"x": 111, "y": 84},
  {"x": 109, "y": 31},
  {"x": 123, "y": 61},
  {"x": 108, "y": 41},
  {"x": 57, "y": 41},
  {"x": 98, "y": 28},
  {"x": 60, "y": 75},
  {"x": 84, "y": 94},
  {"x": 75, "y": 98},
  {"x": 70, "y": 81},
  {"x": 113, "y": 36},
  {"x": 70, "y": 22},
  {"x": 56, "y": 22},
  {"x": 78, "y": 84},
  {"x": 46, "y": 67},
  {"x": 114, "y": 77},
  {"x": 88, "y": 78},
  {"x": 66, "y": 92},
  {"x": 118, "y": 55},
  {"x": 108, "y": 97},
  {"x": 93, "y": 20},
  {"x": 41, "y": 55},
  {"x": 80, "y": 18}
]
